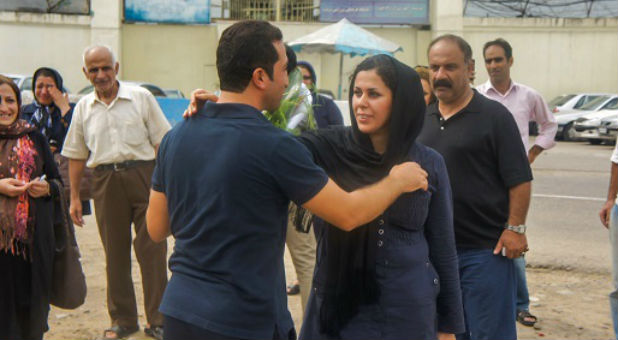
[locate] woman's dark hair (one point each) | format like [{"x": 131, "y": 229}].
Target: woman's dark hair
[
  {"x": 9, "y": 81},
  {"x": 423, "y": 72},
  {"x": 384, "y": 68},
  {"x": 243, "y": 47}
]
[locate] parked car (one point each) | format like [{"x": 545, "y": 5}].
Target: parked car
[
  {"x": 566, "y": 118},
  {"x": 609, "y": 129},
  {"x": 173, "y": 93},
  {"x": 154, "y": 89},
  {"x": 572, "y": 101},
  {"x": 587, "y": 127},
  {"x": 23, "y": 82}
]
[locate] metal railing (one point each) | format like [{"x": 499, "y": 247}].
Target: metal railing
[{"x": 274, "y": 10}]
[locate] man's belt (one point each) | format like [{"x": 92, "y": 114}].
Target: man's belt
[{"x": 122, "y": 165}]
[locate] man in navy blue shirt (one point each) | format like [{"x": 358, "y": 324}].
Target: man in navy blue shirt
[{"x": 222, "y": 185}]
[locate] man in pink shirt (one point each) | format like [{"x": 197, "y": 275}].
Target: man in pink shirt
[
  {"x": 526, "y": 105},
  {"x": 524, "y": 102}
]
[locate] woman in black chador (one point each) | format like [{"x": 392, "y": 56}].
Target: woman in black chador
[{"x": 396, "y": 277}]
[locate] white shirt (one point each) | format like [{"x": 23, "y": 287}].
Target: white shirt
[{"x": 128, "y": 128}]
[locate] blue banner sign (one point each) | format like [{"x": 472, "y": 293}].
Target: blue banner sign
[
  {"x": 409, "y": 12},
  {"x": 167, "y": 11}
]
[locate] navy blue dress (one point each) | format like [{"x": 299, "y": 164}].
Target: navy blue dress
[{"x": 416, "y": 267}]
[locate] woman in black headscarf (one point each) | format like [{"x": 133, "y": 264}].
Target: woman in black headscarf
[
  {"x": 51, "y": 114},
  {"x": 396, "y": 277}
]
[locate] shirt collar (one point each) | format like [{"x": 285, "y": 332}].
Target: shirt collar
[
  {"x": 232, "y": 111},
  {"x": 475, "y": 105},
  {"x": 490, "y": 87},
  {"x": 123, "y": 92}
]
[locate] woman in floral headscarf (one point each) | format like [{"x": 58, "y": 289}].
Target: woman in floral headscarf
[{"x": 27, "y": 191}]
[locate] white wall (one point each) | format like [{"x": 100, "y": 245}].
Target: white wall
[
  {"x": 553, "y": 55},
  {"x": 33, "y": 40}
]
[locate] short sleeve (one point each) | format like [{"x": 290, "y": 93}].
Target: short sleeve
[
  {"x": 614, "y": 157},
  {"x": 295, "y": 172},
  {"x": 156, "y": 123},
  {"x": 513, "y": 163},
  {"x": 158, "y": 178},
  {"x": 75, "y": 143}
]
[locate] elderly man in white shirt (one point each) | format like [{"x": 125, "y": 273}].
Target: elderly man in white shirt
[
  {"x": 116, "y": 130},
  {"x": 526, "y": 105}
]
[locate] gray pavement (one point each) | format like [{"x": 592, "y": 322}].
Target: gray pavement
[{"x": 569, "y": 188}]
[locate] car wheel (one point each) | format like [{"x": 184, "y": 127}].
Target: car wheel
[
  {"x": 595, "y": 141},
  {"x": 568, "y": 134}
]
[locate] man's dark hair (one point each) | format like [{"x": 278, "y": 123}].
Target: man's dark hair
[
  {"x": 243, "y": 47},
  {"x": 508, "y": 50},
  {"x": 461, "y": 43},
  {"x": 289, "y": 52}
]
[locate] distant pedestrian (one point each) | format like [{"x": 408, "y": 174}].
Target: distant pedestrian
[
  {"x": 609, "y": 218},
  {"x": 325, "y": 110},
  {"x": 116, "y": 130},
  {"x": 526, "y": 105}
]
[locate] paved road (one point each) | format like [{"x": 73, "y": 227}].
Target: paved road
[{"x": 570, "y": 187}]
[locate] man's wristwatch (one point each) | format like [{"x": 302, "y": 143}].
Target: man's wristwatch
[{"x": 520, "y": 229}]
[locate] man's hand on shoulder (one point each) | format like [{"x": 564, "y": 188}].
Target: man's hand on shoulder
[
  {"x": 409, "y": 176},
  {"x": 198, "y": 98}
]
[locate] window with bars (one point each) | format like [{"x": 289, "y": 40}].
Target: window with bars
[{"x": 274, "y": 10}]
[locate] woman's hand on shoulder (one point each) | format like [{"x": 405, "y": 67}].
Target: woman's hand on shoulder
[
  {"x": 12, "y": 187},
  {"x": 38, "y": 188},
  {"x": 198, "y": 98}
]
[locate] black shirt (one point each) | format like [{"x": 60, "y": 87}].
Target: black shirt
[{"x": 485, "y": 157}]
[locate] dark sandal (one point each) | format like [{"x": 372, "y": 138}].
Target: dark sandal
[
  {"x": 120, "y": 331},
  {"x": 525, "y": 318},
  {"x": 154, "y": 332},
  {"x": 293, "y": 289}
]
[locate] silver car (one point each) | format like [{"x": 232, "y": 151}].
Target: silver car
[
  {"x": 609, "y": 129},
  {"x": 572, "y": 101},
  {"x": 566, "y": 118},
  {"x": 587, "y": 127}
]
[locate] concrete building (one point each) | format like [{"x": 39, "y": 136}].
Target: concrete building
[{"x": 553, "y": 55}]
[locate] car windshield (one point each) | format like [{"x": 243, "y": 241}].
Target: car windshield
[
  {"x": 560, "y": 100},
  {"x": 594, "y": 104},
  {"x": 613, "y": 105}
]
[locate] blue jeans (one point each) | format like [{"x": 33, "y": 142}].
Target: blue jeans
[
  {"x": 488, "y": 292},
  {"x": 523, "y": 298},
  {"x": 613, "y": 238}
]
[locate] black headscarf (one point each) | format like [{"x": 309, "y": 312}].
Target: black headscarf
[
  {"x": 347, "y": 155},
  {"x": 48, "y": 70},
  {"x": 42, "y": 116}
]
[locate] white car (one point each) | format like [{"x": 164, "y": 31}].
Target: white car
[
  {"x": 608, "y": 130},
  {"x": 572, "y": 101},
  {"x": 23, "y": 82},
  {"x": 587, "y": 127},
  {"x": 566, "y": 118}
]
